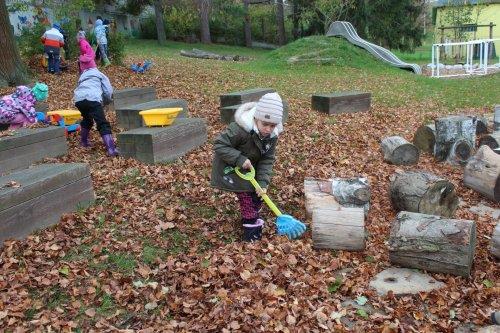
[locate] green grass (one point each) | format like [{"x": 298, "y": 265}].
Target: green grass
[
  {"x": 123, "y": 262},
  {"x": 151, "y": 253}
]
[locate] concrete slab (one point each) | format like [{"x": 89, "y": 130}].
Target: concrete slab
[{"x": 403, "y": 281}]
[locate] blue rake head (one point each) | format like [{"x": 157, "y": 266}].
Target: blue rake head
[{"x": 289, "y": 226}]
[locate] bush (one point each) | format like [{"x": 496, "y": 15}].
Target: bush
[
  {"x": 182, "y": 23},
  {"x": 227, "y": 24},
  {"x": 29, "y": 41},
  {"x": 71, "y": 47},
  {"x": 116, "y": 47}
]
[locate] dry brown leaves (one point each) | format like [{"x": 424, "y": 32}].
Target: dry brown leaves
[{"x": 91, "y": 272}]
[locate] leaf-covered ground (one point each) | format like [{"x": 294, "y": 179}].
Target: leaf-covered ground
[{"x": 160, "y": 249}]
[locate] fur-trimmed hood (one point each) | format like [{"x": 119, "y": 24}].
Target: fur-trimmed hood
[{"x": 244, "y": 116}]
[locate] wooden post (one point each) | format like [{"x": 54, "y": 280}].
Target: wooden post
[
  {"x": 432, "y": 243},
  {"x": 491, "y": 30},
  {"x": 423, "y": 192},
  {"x": 398, "y": 151},
  {"x": 482, "y": 173}
]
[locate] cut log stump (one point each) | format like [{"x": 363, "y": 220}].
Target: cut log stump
[
  {"x": 398, "y": 151},
  {"x": 432, "y": 243},
  {"x": 338, "y": 208},
  {"x": 495, "y": 242},
  {"x": 491, "y": 140},
  {"x": 451, "y": 129},
  {"x": 482, "y": 173},
  {"x": 423, "y": 192},
  {"x": 425, "y": 138}
]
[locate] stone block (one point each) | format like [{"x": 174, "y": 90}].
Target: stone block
[
  {"x": 163, "y": 144},
  {"x": 341, "y": 102},
  {"x": 132, "y": 96},
  {"x": 128, "y": 117},
  {"x": 227, "y": 112},
  {"x": 244, "y": 96},
  {"x": 41, "y": 195},
  {"x": 30, "y": 145}
]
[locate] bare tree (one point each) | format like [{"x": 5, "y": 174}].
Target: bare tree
[
  {"x": 280, "y": 20},
  {"x": 12, "y": 70},
  {"x": 204, "y": 7}
]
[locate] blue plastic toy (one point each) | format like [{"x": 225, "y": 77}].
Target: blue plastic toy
[
  {"x": 286, "y": 224},
  {"x": 57, "y": 119},
  {"x": 140, "y": 67}
]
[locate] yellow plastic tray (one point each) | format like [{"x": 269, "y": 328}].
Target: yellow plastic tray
[
  {"x": 160, "y": 117},
  {"x": 70, "y": 116}
]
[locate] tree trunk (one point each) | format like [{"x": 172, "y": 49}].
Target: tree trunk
[
  {"x": 398, "y": 151},
  {"x": 495, "y": 242},
  {"x": 204, "y": 7},
  {"x": 482, "y": 173},
  {"x": 432, "y": 243},
  {"x": 491, "y": 140},
  {"x": 460, "y": 152},
  {"x": 451, "y": 129},
  {"x": 280, "y": 20},
  {"x": 12, "y": 70},
  {"x": 423, "y": 192},
  {"x": 248, "y": 26},
  {"x": 341, "y": 229},
  {"x": 425, "y": 138},
  {"x": 160, "y": 22},
  {"x": 295, "y": 18}
]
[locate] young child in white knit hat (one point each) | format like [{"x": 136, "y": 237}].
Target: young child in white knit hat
[{"x": 249, "y": 141}]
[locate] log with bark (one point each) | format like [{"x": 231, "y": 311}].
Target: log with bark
[
  {"x": 425, "y": 138},
  {"x": 423, "y": 192},
  {"x": 432, "y": 243},
  {"x": 338, "y": 208},
  {"x": 482, "y": 173},
  {"x": 491, "y": 140},
  {"x": 398, "y": 151},
  {"x": 460, "y": 152},
  {"x": 495, "y": 242},
  {"x": 451, "y": 129}
]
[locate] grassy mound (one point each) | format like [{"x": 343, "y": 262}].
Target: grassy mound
[{"x": 325, "y": 50}]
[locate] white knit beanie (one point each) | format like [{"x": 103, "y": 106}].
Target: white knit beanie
[{"x": 269, "y": 108}]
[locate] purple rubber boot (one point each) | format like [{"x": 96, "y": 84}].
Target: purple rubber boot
[
  {"x": 253, "y": 232},
  {"x": 84, "y": 137},
  {"x": 110, "y": 145}
]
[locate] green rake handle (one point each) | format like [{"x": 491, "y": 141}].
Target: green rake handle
[{"x": 250, "y": 176}]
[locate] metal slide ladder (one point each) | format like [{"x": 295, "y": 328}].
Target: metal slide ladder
[{"x": 346, "y": 30}]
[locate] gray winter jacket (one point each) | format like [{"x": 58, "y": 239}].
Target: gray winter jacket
[
  {"x": 237, "y": 143},
  {"x": 93, "y": 86}
]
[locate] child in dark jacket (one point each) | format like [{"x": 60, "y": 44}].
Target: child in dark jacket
[
  {"x": 249, "y": 141},
  {"x": 93, "y": 91}
]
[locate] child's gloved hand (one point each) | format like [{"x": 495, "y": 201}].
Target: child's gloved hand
[
  {"x": 247, "y": 165},
  {"x": 260, "y": 192}
]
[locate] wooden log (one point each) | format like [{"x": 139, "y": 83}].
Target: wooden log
[
  {"x": 495, "y": 242},
  {"x": 132, "y": 96},
  {"x": 423, "y": 192},
  {"x": 432, "y": 243},
  {"x": 496, "y": 118},
  {"x": 398, "y": 151},
  {"x": 449, "y": 130},
  {"x": 481, "y": 125},
  {"x": 342, "y": 228},
  {"x": 482, "y": 173},
  {"x": 460, "y": 152},
  {"x": 425, "y": 138},
  {"x": 341, "y": 102},
  {"x": 336, "y": 192},
  {"x": 491, "y": 140}
]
